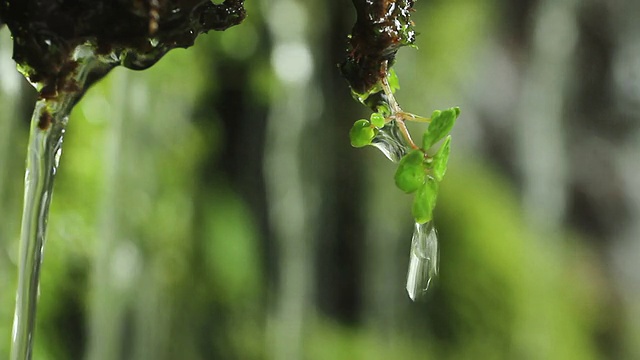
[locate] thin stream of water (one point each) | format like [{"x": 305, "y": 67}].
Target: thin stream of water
[
  {"x": 61, "y": 84},
  {"x": 48, "y": 125},
  {"x": 45, "y": 147}
]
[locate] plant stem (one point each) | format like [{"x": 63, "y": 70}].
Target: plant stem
[{"x": 396, "y": 111}]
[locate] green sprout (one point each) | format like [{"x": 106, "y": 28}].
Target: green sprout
[
  {"x": 362, "y": 133},
  {"x": 377, "y": 120},
  {"x": 411, "y": 172},
  {"x": 425, "y": 201},
  {"x": 441, "y": 124},
  {"x": 418, "y": 172},
  {"x": 440, "y": 159}
]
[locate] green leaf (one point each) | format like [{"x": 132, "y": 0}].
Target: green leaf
[
  {"x": 383, "y": 109},
  {"x": 441, "y": 158},
  {"x": 377, "y": 120},
  {"x": 425, "y": 201},
  {"x": 361, "y": 133},
  {"x": 394, "y": 83},
  {"x": 441, "y": 124},
  {"x": 410, "y": 174}
]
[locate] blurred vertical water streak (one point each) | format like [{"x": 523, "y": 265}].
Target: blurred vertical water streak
[
  {"x": 130, "y": 315},
  {"x": 9, "y": 104},
  {"x": 11, "y": 170},
  {"x": 540, "y": 132},
  {"x": 9, "y": 98},
  {"x": 289, "y": 192},
  {"x": 541, "y": 138},
  {"x": 107, "y": 308},
  {"x": 626, "y": 88},
  {"x": 383, "y": 278}
]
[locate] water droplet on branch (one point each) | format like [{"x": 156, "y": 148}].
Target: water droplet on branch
[
  {"x": 423, "y": 260},
  {"x": 389, "y": 140}
]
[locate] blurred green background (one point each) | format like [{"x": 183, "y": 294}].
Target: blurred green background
[{"x": 211, "y": 207}]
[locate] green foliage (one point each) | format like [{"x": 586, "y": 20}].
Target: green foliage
[
  {"x": 361, "y": 133},
  {"x": 440, "y": 159},
  {"x": 411, "y": 172},
  {"x": 394, "y": 83},
  {"x": 377, "y": 120},
  {"x": 374, "y": 97},
  {"x": 417, "y": 172},
  {"x": 425, "y": 201},
  {"x": 441, "y": 124}
]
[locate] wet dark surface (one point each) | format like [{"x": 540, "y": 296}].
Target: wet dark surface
[
  {"x": 135, "y": 33},
  {"x": 381, "y": 28}
]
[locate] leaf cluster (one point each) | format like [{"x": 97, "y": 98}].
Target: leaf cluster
[{"x": 421, "y": 170}]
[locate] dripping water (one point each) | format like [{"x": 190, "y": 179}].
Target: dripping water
[
  {"x": 390, "y": 142},
  {"x": 423, "y": 260},
  {"x": 423, "y": 257}
]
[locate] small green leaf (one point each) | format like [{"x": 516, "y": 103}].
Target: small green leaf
[
  {"x": 377, "y": 120},
  {"x": 410, "y": 174},
  {"x": 441, "y": 158},
  {"x": 441, "y": 124},
  {"x": 425, "y": 201},
  {"x": 394, "y": 83},
  {"x": 384, "y": 109},
  {"x": 361, "y": 133}
]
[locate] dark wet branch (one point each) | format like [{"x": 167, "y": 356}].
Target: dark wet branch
[
  {"x": 137, "y": 33},
  {"x": 381, "y": 28}
]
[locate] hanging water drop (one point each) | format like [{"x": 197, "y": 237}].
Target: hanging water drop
[
  {"x": 423, "y": 260},
  {"x": 390, "y": 142}
]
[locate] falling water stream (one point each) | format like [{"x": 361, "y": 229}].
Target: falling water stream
[
  {"x": 62, "y": 57},
  {"x": 47, "y": 131},
  {"x": 48, "y": 125},
  {"x": 45, "y": 148}
]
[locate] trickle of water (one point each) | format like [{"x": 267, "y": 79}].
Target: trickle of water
[
  {"x": 423, "y": 260},
  {"x": 41, "y": 168},
  {"x": 390, "y": 142},
  {"x": 61, "y": 77},
  {"x": 48, "y": 125}
]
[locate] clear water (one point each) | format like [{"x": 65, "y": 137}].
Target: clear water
[
  {"x": 45, "y": 147},
  {"x": 43, "y": 157},
  {"x": 423, "y": 257},
  {"x": 423, "y": 260},
  {"x": 390, "y": 142}
]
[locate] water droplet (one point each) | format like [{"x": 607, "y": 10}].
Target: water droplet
[
  {"x": 423, "y": 260},
  {"x": 389, "y": 140}
]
